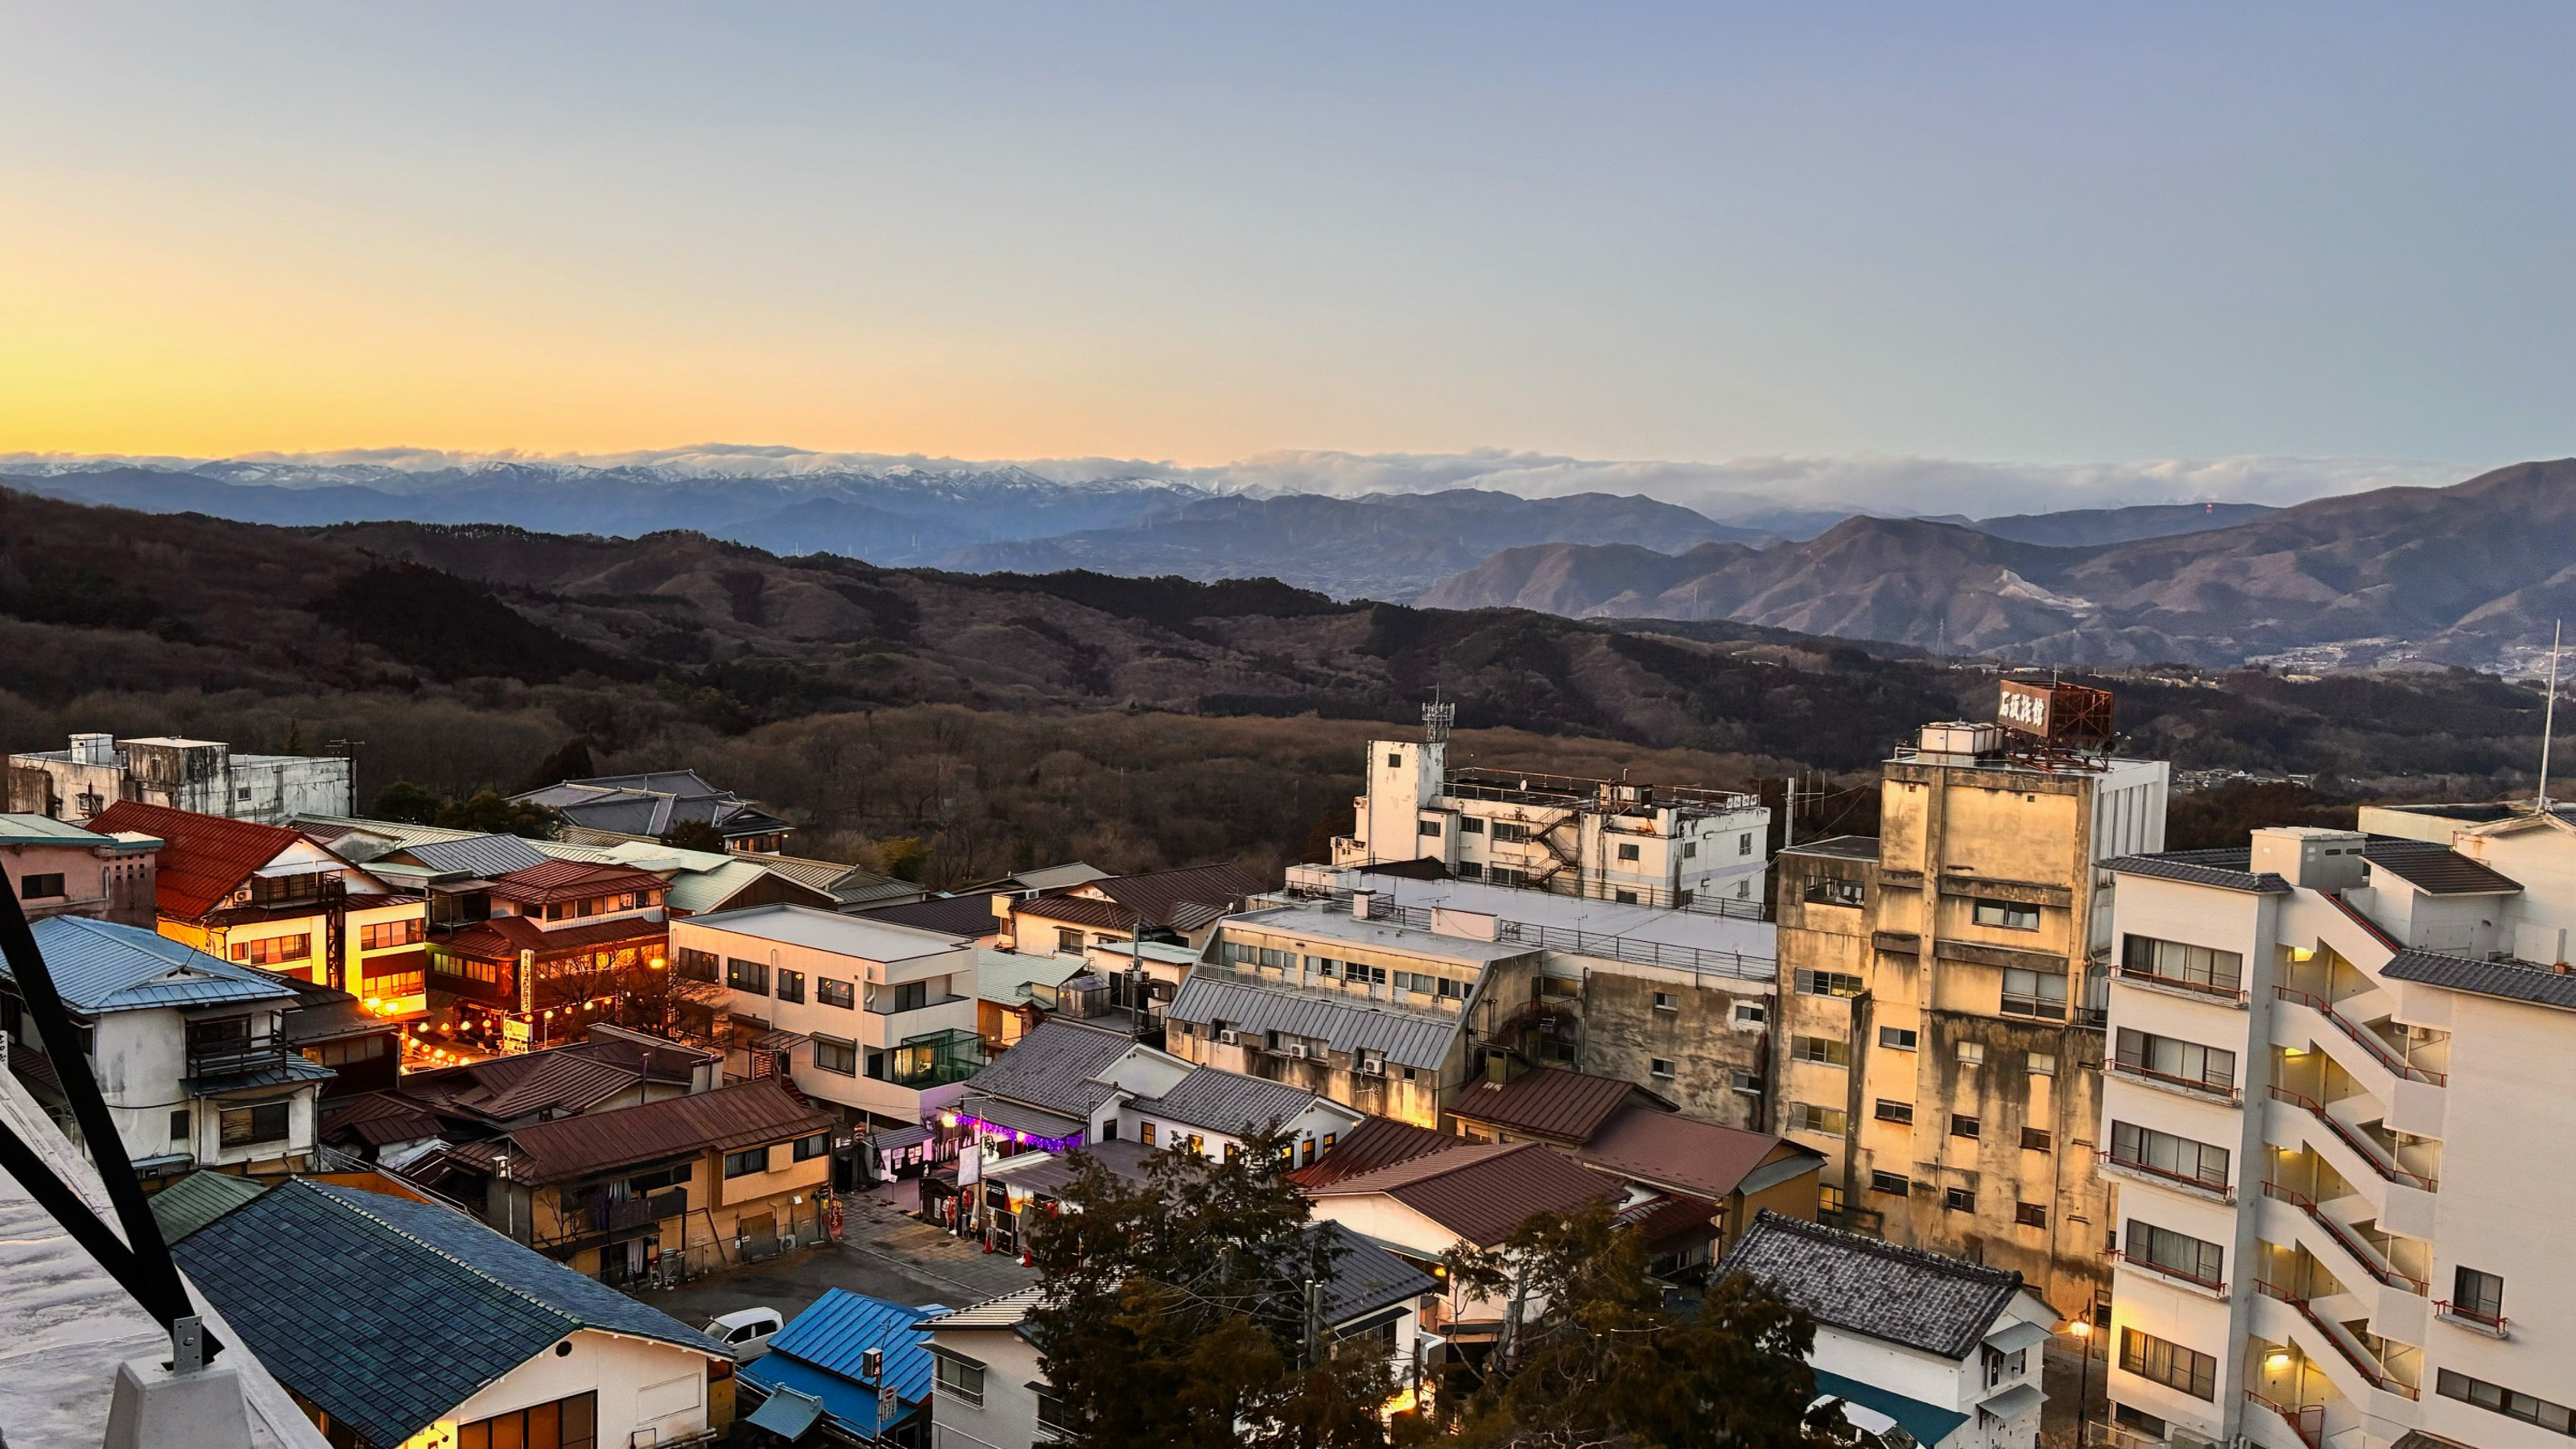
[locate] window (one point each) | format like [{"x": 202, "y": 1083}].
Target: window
[
  {"x": 1627, "y": 852},
  {"x": 1667, "y": 1001},
  {"x": 2008, "y": 915},
  {"x": 1826, "y": 983},
  {"x": 829, "y": 992},
  {"x": 465, "y": 968},
  {"x": 2180, "y": 1254},
  {"x": 1470, "y": 870},
  {"x": 183, "y": 1127},
  {"x": 1198, "y": 1145},
  {"x": 1970, "y": 1053},
  {"x": 1662, "y": 1068},
  {"x": 385, "y": 935},
  {"x": 2178, "y": 1061},
  {"x": 1068, "y": 941},
  {"x": 1145, "y": 1133},
  {"x": 2043, "y": 1064},
  {"x": 1625, "y": 898},
  {"x": 1508, "y": 833},
  {"x": 1744, "y": 844},
  {"x": 2030, "y": 1214},
  {"x": 2477, "y": 1295},
  {"x": 1808, "y": 1117},
  {"x": 2162, "y": 1152},
  {"x": 2034, "y": 993},
  {"x": 1470, "y": 825},
  {"x": 2531, "y": 1409},
  {"x": 1894, "y": 1184},
  {"x": 961, "y": 1379},
  {"x": 746, "y": 1162},
  {"x": 386, "y": 979},
  {"x": 1962, "y": 1125},
  {"x": 1890, "y": 1110},
  {"x": 1746, "y": 1082},
  {"x": 39, "y": 887},
  {"x": 694, "y": 964},
  {"x": 1896, "y": 1038},
  {"x": 1748, "y": 1014},
  {"x": 564, "y": 1424},
  {"x": 252, "y": 1125},
  {"x": 791, "y": 985},
  {"x": 1418, "y": 981},
  {"x": 2170, "y": 1364},
  {"x": 2035, "y": 1139},
  {"x": 1428, "y": 829},
  {"x": 2222, "y": 972},
  {"x": 751, "y": 976},
  {"x": 274, "y": 950},
  {"x": 1835, "y": 891},
  {"x": 834, "y": 1055},
  {"x": 1829, "y": 1200},
  {"x": 909, "y": 996},
  {"x": 1821, "y": 1049},
  {"x": 1054, "y": 1414},
  {"x": 2139, "y": 1419},
  {"x": 1502, "y": 875},
  {"x": 1394, "y": 761},
  {"x": 1959, "y": 1199},
  {"x": 1690, "y": 850},
  {"x": 807, "y": 1149}
]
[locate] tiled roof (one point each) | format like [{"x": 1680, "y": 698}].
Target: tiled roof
[
  {"x": 2437, "y": 870},
  {"x": 725, "y": 1120},
  {"x": 1485, "y": 1191},
  {"x": 1190, "y": 915},
  {"x": 1080, "y": 911},
  {"x": 1375, "y": 1143},
  {"x": 967, "y": 915},
  {"x": 1008, "y": 1311},
  {"x": 1901, "y": 1295},
  {"x": 1228, "y": 1102},
  {"x": 1408, "y": 1039},
  {"x": 502, "y": 938},
  {"x": 562, "y": 1080},
  {"x": 1052, "y": 1068},
  {"x": 1054, "y": 1172},
  {"x": 2504, "y": 980},
  {"x": 2225, "y": 869},
  {"x": 1366, "y": 1278},
  {"x": 1549, "y": 1102},
  {"x": 1020, "y": 1117},
  {"x": 1160, "y": 893},
  {"x": 484, "y": 855},
  {"x": 198, "y": 1199},
  {"x": 100, "y": 966},
  {"x": 1676, "y": 1152},
  {"x": 204, "y": 858},
  {"x": 376, "y": 1118},
  {"x": 568, "y": 880},
  {"x": 389, "y": 1313}
]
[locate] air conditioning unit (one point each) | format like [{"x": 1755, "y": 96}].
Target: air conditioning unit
[
  {"x": 1372, "y": 1066},
  {"x": 1227, "y": 1038},
  {"x": 1295, "y": 1049}
]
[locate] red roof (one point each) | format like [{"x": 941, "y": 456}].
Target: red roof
[
  {"x": 204, "y": 858},
  {"x": 1079, "y": 910},
  {"x": 725, "y": 1120},
  {"x": 1485, "y": 1191},
  {"x": 1678, "y": 1153},
  {"x": 1551, "y": 1102},
  {"x": 570, "y": 880},
  {"x": 1375, "y": 1143},
  {"x": 1161, "y": 893}
]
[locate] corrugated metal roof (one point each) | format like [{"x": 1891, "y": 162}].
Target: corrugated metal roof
[
  {"x": 2437, "y": 870},
  {"x": 1375, "y": 1143},
  {"x": 859, "y": 937},
  {"x": 1159, "y": 894},
  {"x": 1080, "y": 911},
  {"x": 204, "y": 858},
  {"x": 699, "y": 891},
  {"x": 2504, "y": 980},
  {"x": 1679, "y": 1153},
  {"x": 1228, "y": 1102},
  {"x": 389, "y": 1313},
  {"x": 1007, "y": 1311},
  {"x": 1366, "y": 1278},
  {"x": 18, "y": 829},
  {"x": 100, "y": 966},
  {"x": 1549, "y": 1102},
  {"x": 835, "y": 1334},
  {"x": 1405, "y": 1038},
  {"x": 564, "y": 880},
  {"x": 485, "y": 855},
  {"x": 1905, "y": 1296},
  {"x": 727, "y": 1119},
  {"x": 1052, "y": 1068}
]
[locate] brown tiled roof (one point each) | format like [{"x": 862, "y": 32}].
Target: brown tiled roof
[
  {"x": 1676, "y": 1152},
  {"x": 1159, "y": 894},
  {"x": 1375, "y": 1143},
  {"x": 1483, "y": 1192},
  {"x": 204, "y": 858},
  {"x": 377, "y": 1118},
  {"x": 1079, "y": 911},
  {"x": 725, "y": 1120},
  {"x": 565, "y": 1079},
  {"x": 570, "y": 880},
  {"x": 1552, "y": 1102},
  {"x": 502, "y": 938}
]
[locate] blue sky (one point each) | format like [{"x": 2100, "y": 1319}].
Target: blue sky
[{"x": 1200, "y": 233}]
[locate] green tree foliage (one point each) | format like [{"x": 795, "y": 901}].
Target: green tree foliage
[
  {"x": 1606, "y": 1363},
  {"x": 492, "y": 811},
  {"x": 408, "y": 803},
  {"x": 2222, "y": 817},
  {"x": 570, "y": 761},
  {"x": 1176, "y": 1312}
]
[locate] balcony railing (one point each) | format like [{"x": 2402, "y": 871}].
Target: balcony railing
[
  {"x": 2362, "y": 1363},
  {"x": 598, "y": 1218},
  {"x": 2167, "y": 1270},
  {"x": 2222, "y": 995},
  {"x": 2370, "y": 1261},
  {"x": 2352, "y": 1138},
  {"x": 2223, "y": 1192},
  {"x": 2308, "y": 1423},
  {"x": 2471, "y": 1318},
  {"x": 2216, "y": 1091},
  {"x": 227, "y": 1058},
  {"x": 2379, "y": 1050}
]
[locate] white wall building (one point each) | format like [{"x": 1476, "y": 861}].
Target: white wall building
[
  {"x": 2340, "y": 1115},
  {"x": 866, "y": 1016},
  {"x": 1654, "y": 845},
  {"x": 204, "y": 776},
  {"x": 1945, "y": 1349}
]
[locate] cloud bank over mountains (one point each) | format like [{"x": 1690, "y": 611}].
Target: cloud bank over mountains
[{"x": 1738, "y": 490}]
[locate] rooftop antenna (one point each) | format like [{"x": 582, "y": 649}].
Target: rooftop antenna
[
  {"x": 1437, "y": 716},
  {"x": 2549, "y": 717}
]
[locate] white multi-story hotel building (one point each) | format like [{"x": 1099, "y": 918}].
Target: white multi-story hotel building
[{"x": 2339, "y": 1118}]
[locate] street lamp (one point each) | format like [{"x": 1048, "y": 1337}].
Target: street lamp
[{"x": 2083, "y": 1374}]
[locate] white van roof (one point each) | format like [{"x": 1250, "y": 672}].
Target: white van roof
[{"x": 741, "y": 1316}]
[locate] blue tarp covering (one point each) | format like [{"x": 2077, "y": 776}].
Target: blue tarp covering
[{"x": 1928, "y": 1423}]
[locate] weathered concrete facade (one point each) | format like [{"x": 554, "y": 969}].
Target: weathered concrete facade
[{"x": 1702, "y": 1042}]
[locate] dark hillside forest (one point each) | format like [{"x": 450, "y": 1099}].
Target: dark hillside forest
[{"x": 960, "y": 725}]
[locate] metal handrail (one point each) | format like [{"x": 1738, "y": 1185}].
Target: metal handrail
[
  {"x": 2222, "y": 1190},
  {"x": 2448, "y": 1309},
  {"x": 2229, "y": 1091},
  {"x": 2388, "y": 1275},
  {"x": 2354, "y": 1140},
  {"x": 2362, "y": 1363},
  {"x": 2167, "y": 1270},
  {"x": 2378, "y": 1049},
  {"x": 2233, "y": 995},
  {"x": 2307, "y": 1421}
]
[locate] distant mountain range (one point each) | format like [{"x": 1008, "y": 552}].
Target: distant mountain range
[{"x": 2471, "y": 574}]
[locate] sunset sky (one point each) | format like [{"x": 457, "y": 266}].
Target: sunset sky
[{"x": 1200, "y": 232}]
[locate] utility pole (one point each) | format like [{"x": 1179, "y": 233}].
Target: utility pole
[{"x": 2549, "y": 717}]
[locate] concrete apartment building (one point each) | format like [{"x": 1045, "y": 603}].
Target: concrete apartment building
[
  {"x": 1941, "y": 989},
  {"x": 2341, "y": 1116},
  {"x": 60, "y": 869},
  {"x": 203, "y": 776},
  {"x": 1652, "y": 845}
]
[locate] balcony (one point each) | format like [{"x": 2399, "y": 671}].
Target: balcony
[
  {"x": 2224, "y": 1092},
  {"x": 2162, "y": 1177},
  {"x": 2308, "y": 1423},
  {"x": 2213, "y": 1287},
  {"x": 2210, "y": 992},
  {"x": 2490, "y": 1324},
  {"x": 234, "y": 1058},
  {"x": 2371, "y": 1370},
  {"x": 598, "y": 1220},
  {"x": 2361, "y": 1036},
  {"x": 2352, "y": 1137},
  {"x": 2346, "y": 1239}
]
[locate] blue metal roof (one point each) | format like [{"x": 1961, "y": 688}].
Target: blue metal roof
[
  {"x": 850, "y": 1404},
  {"x": 835, "y": 1334},
  {"x": 1928, "y": 1423},
  {"x": 388, "y": 1313},
  {"x": 99, "y": 966}
]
